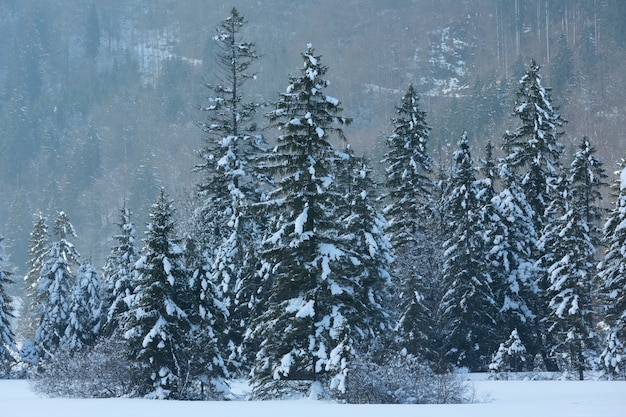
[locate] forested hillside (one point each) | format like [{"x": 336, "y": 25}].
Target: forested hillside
[
  {"x": 99, "y": 100},
  {"x": 311, "y": 193}
]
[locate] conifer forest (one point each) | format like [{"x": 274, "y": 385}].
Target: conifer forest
[{"x": 341, "y": 199}]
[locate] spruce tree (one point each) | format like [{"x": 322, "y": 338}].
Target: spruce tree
[
  {"x": 208, "y": 317},
  {"x": 469, "y": 305},
  {"x": 56, "y": 283},
  {"x": 38, "y": 246},
  {"x": 532, "y": 153},
  {"x": 613, "y": 280},
  {"x": 533, "y": 149},
  {"x": 410, "y": 211},
  {"x": 158, "y": 321},
  {"x": 118, "y": 276},
  {"x": 7, "y": 338},
  {"x": 84, "y": 322},
  {"x": 367, "y": 264},
  {"x": 307, "y": 328},
  {"x": 230, "y": 183},
  {"x": 513, "y": 241},
  {"x": 569, "y": 243}
]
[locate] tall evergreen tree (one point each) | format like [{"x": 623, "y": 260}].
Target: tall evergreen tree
[
  {"x": 230, "y": 184},
  {"x": 158, "y": 321},
  {"x": 208, "y": 317},
  {"x": 308, "y": 327},
  {"x": 612, "y": 274},
  {"x": 38, "y": 246},
  {"x": 468, "y": 305},
  {"x": 55, "y": 287},
  {"x": 410, "y": 213},
  {"x": 7, "y": 338},
  {"x": 532, "y": 152},
  {"x": 569, "y": 243},
  {"x": 118, "y": 275},
  {"x": 533, "y": 149},
  {"x": 513, "y": 241},
  {"x": 409, "y": 167},
  {"x": 369, "y": 253}
]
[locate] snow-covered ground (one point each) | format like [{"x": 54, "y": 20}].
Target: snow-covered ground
[{"x": 495, "y": 398}]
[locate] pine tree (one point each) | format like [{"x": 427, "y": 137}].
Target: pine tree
[
  {"x": 38, "y": 246},
  {"x": 513, "y": 240},
  {"x": 118, "y": 276},
  {"x": 613, "y": 280},
  {"x": 158, "y": 321},
  {"x": 231, "y": 184},
  {"x": 306, "y": 329},
  {"x": 532, "y": 153},
  {"x": 409, "y": 167},
  {"x": 84, "y": 322},
  {"x": 208, "y": 317},
  {"x": 533, "y": 149},
  {"x": 410, "y": 214},
  {"x": 7, "y": 338},
  {"x": 468, "y": 305},
  {"x": 55, "y": 287},
  {"x": 569, "y": 243},
  {"x": 367, "y": 262}
]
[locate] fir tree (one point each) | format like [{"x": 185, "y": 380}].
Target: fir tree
[
  {"x": 410, "y": 214},
  {"x": 532, "y": 153},
  {"x": 613, "y": 280},
  {"x": 409, "y": 167},
  {"x": 306, "y": 331},
  {"x": 38, "y": 246},
  {"x": 84, "y": 322},
  {"x": 7, "y": 338},
  {"x": 158, "y": 321},
  {"x": 208, "y": 317},
  {"x": 512, "y": 243},
  {"x": 118, "y": 275},
  {"x": 533, "y": 149},
  {"x": 468, "y": 305},
  {"x": 569, "y": 243},
  {"x": 231, "y": 184},
  {"x": 367, "y": 262},
  {"x": 55, "y": 288}
]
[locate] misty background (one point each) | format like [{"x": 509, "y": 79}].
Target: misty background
[{"x": 100, "y": 101}]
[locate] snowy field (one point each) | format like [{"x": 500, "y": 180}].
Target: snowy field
[{"x": 495, "y": 399}]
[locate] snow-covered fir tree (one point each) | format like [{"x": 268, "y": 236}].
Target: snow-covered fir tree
[
  {"x": 230, "y": 184},
  {"x": 612, "y": 274},
  {"x": 510, "y": 356},
  {"x": 37, "y": 248},
  {"x": 512, "y": 242},
  {"x": 306, "y": 331},
  {"x": 208, "y": 317},
  {"x": 469, "y": 305},
  {"x": 410, "y": 212},
  {"x": 7, "y": 339},
  {"x": 55, "y": 287},
  {"x": 408, "y": 169},
  {"x": 118, "y": 275},
  {"x": 158, "y": 322},
  {"x": 368, "y": 254},
  {"x": 569, "y": 244},
  {"x": 532, "y": 152},
  {"x": 84, "y": 321},
  {"x": 533, "y": 149}
]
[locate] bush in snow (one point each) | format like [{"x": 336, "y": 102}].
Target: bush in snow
[
  {"x": 100, "y": 371},
  {"x": 402, "y": 379}
]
